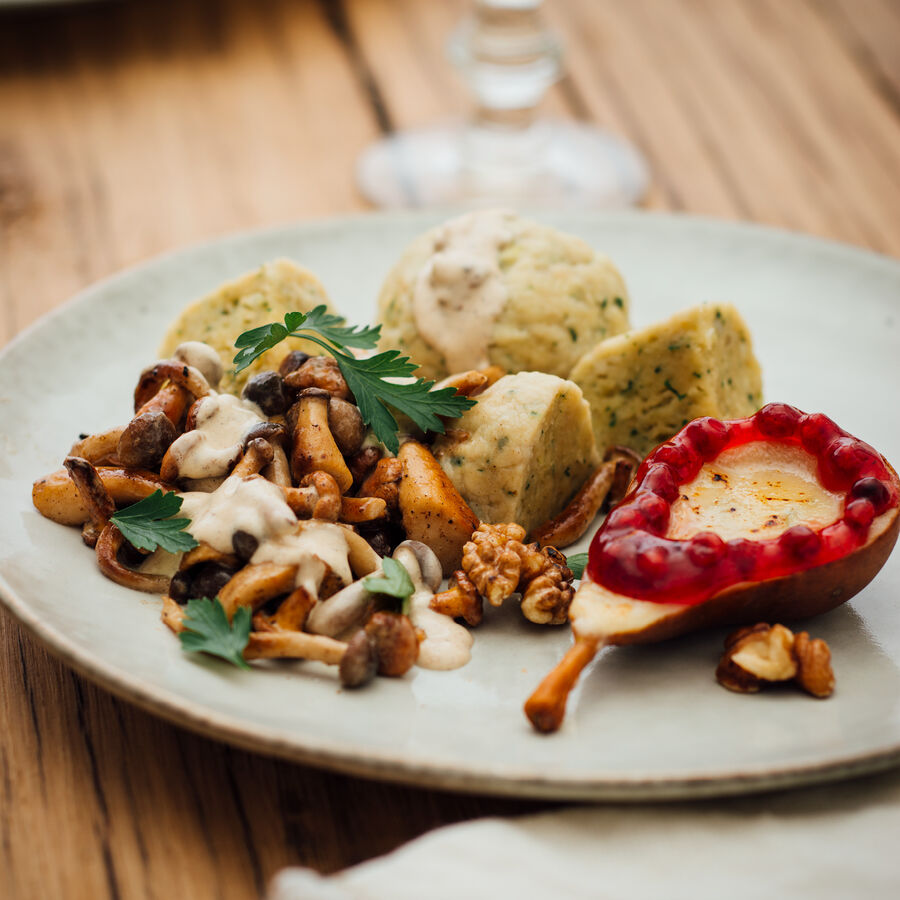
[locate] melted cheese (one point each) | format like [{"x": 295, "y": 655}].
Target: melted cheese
[{"x": 757, "y": 490}]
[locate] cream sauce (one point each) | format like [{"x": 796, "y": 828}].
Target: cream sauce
[
  {"x": 248, "y": 504},
  {"x": 460, "y": 290},
  {"x": 203, "y": 358},
  {"x": 447, "y": 644},
  {"x": 314, "y": 549},
  {"x": 214, "y": 445}
]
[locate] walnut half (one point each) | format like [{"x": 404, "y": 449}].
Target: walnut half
[
  {"x": 499, "y": 565},
  {"x": 764, "y": 654}
]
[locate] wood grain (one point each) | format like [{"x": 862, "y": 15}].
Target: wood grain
[{"x": 131, "y": 128}]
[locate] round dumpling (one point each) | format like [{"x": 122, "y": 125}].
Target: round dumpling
[
  {"x": 492, "y": 288},
  {"x": 258, "y": 298},
  {"x": 523, "y": 451}
]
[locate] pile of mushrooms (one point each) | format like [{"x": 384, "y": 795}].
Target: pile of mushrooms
[{"x": 307, "y": 437}]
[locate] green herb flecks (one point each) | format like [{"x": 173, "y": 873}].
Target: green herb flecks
[
  {"x": 367, "y": 378},
  {"x": 147, "y": 524},
  {"x": 576, "y": 562},
  {"x": 207, "y": 630},
  {"x": 674, "y": 390}
]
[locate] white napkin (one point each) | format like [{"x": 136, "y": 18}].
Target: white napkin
[{"x": 837, "y": 841}]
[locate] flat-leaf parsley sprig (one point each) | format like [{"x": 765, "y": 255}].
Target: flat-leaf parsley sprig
[
  {"x": 207, "y": 630},
  {"x": 147, "y": 524},
  {"x": 367, "y": 378}
]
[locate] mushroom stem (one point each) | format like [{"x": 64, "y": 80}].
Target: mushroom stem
[
  {"x": 171, "y": 399},
  {"x": 341, "y": 612},
  {"x": 172, "y": 615},
  {"x": 57, "y": 497},
  {"x": 362, "y": 509},
  {"x": 546, "y": 707},
  {"x": 294, "y": 645},
  {"x": 314, "y": 447},
  {"x": 108, "y": 545},
  {"x": 362, "y": 558},
  {"x": 168, "y": 370},
  {"x": 93, "y": 492},
  {"x": 291, "y": 615},
  {"x": 257, "y": 456},
  {"x": 100, "y": 448},
  {"x": 573, "y": 521},
  {"x": 318, "y": 497},
  {"x": 256, "y": 584},
  {"x": 279, "y": 470},
  {"x": 383, "y": 482}
]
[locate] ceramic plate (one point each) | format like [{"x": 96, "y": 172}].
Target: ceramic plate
[{"x": 646, "y": 722}]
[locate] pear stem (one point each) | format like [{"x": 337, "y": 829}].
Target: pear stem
[{"x": 546, "y": 707}]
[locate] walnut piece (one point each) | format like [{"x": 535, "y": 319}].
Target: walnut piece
[
  {"x": 814, "y": 672},
  {"x": 764, "y": 654},
  {"x": 492, "y": 562},
  {"x": 499, "y": 565}
]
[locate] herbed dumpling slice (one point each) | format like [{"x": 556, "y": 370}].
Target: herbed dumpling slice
[
  {"x": 646, "y": 384},
  {"x": 522, "y": 452},
  {"x": 253, "y": 299}
]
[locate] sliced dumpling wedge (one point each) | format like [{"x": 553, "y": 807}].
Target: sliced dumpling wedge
[{"x": 522, "y": 452}]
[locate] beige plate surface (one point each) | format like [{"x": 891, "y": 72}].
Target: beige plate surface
[{"x": 647, "y": 722}]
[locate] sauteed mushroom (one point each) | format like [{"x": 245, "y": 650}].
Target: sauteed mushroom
[
  {"x": 56, "y": 496},
  {"x": 96, "y": 498},
  {"x": 108, "y": 546},
  {"x": 314, "y": 447}
]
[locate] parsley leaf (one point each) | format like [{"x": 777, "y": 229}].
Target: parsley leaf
[
  {"x": 332, "y": 328},
  {"x": 394, "y": 581},
  {"x": 366, "y": 378},
  {"x": 577, "y": 562},
  {"x": 253, "y": 343},
  {"x": 207, "y": 630},
  {"x": 147, "y": 523}
]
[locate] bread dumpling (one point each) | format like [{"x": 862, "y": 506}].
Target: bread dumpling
[
  {"x": 258, "y": 298},
  {"x": 645, "y": 385},
  {"x": 492, "y": 288},
  {"x": 523, "y": 451}
]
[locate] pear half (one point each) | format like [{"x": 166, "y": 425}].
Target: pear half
[{"x": 754, "y": 491}]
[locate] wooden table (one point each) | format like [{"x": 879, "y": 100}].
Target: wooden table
[{"x": 127, "y": 129}]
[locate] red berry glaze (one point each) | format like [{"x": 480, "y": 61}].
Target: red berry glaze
[{"x": 630, "y": 554}]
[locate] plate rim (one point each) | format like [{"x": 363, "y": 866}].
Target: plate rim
[{"x": 518, "y": 781}]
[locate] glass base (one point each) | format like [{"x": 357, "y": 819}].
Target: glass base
[{"x": 553, "y": 163}]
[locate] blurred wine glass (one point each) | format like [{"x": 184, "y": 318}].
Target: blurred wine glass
[{"x": 504, "y": 153}]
